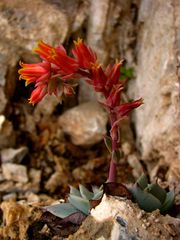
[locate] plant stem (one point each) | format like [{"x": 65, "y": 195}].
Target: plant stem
[{"x": 115, "y": 140}]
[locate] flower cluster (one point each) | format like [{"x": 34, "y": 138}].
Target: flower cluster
[{"x": 57, "y": 69}]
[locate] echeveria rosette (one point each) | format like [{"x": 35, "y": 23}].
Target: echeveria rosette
[
  {"x": 151, "y": 196},
  {"x": 79, "y": 203}
]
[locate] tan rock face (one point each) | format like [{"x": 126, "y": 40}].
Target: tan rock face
[
  {"x": 86, "y": 123},
  {"x": 157, "y": 122}
]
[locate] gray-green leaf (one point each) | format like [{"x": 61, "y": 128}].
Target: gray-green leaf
[
  {"x": 169, "y": 201},
  {"x": 80, "y": 203},
  {"x": 97, "y": 195},
  {"x": 157, "y": 192},
  {"x": 85, "y": 193},
  {"x": 61, "y": 210},
  {"x": 142, "y": 181},
  {"x": 145, "y": 200},
  {"x": 74, "y": 191}
]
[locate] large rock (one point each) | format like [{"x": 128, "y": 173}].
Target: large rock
[
  {"x": 86, "y": 123},
  {"x": 22, "y": 24},
  {"x": 115, "y": 219},
  {"x": 157, "y": 121}
]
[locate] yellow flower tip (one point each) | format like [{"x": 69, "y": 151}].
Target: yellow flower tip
[
  {"x": 141, "y": 100},
  {"x": 37, "y": 47},
  {"x": 26, "y": 83},
  {"x": 95, "y": 66},
  {"x": 20, "y": 63},
  {"x": 78, "y": 41},
  {"x": 119, "y": 62},
  {"x": 20, "y": 71},
  {"x": 30, "y": 102}
]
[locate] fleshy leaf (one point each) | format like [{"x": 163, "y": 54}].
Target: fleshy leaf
[
  {"x": 85, "y": 193},
  {"x": 96, "y": 189},
  {"x": 168, "y": 201},
  {"x": 156, "y": 191},
  {"x": 97, "y": 195},
  {"x": 62, "y": 210},
  {"x": 74, "y": 191},
  {"x": 145, "y": 200},
  {"x": 80, "y": 203},
  {"x": 142, "y": 181}
]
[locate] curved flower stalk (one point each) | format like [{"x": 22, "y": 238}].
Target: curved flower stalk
[{"x": 54, "y": 74}]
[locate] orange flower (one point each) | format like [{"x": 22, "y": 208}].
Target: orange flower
[{"x": 37, "y": 72}]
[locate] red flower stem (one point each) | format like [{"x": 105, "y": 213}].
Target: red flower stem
[{"x": 113, "y": 164}]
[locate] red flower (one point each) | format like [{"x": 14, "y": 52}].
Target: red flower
[
  {"x": 37, "y": 72},
  {"x": 97, "y": 78},
  {"x": 38, "y": 93},
  {"x": 83, "y": 54},
  {"x": 113, "y": 75},
  {"x": 45, "y": 51},
  {"x": 113, "y": 99},
  {"x": 124, "y": 109},
  {"x": 65, "y": 65}
]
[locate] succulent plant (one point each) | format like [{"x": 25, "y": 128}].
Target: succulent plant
[
  {"x": 151, "y": 196},
  {"x": 79, "y": 201}
]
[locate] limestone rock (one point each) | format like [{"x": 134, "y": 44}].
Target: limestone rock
[
  {"x": 157, "y": 121},
  {"x": 86, "y": 123},
  {"x": 110, "y": 34},
  {"x": 13, "y": 155},
  {"x": 7, "y": 135},
  {"x": 15, "y": 172},
  {"x": 117, "y": 218}
]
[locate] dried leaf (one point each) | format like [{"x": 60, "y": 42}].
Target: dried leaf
[
  {"x": 75, "y": 218},
  {"x": 117, "y": 189},
  {"x": 94, "y": 203},
  {"x": 57, "y": 226}
]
